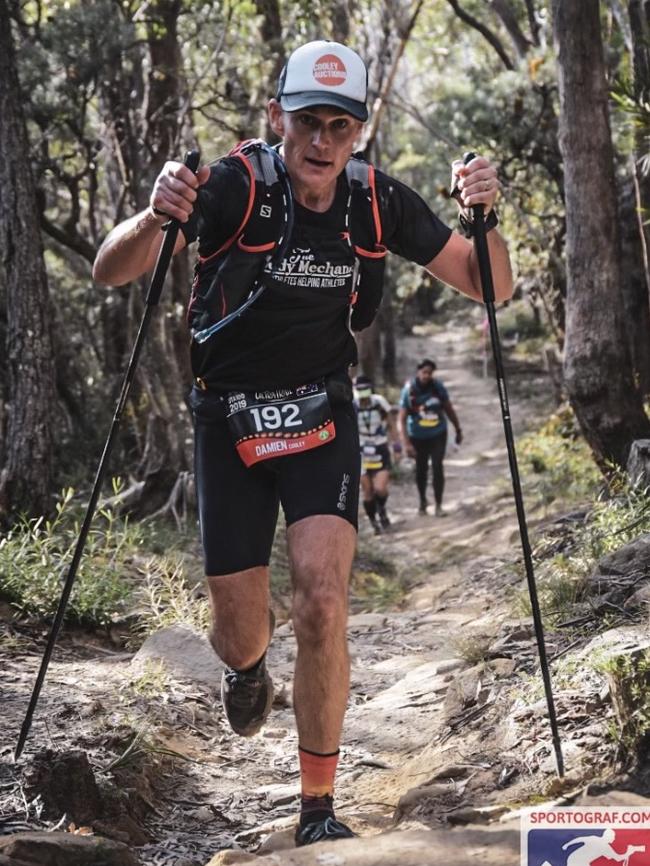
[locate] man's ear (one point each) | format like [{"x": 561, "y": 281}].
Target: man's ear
[{"x": 276, "y": 117}]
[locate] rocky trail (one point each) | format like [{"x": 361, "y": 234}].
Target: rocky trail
[{"x": 446, "y": 735}]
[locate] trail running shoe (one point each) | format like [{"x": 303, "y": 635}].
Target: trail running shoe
[
  {"x": 247, "y": 697},
  {"x": 423, "y": 506},
  {"x": 321, "y": 831},
  {"x": 376, "y": 526},
  {"x": 384, "y": 520}
]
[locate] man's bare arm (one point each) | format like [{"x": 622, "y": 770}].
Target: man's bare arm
[{"x": 131, "y": 248}]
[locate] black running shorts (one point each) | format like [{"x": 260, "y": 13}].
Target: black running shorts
[
  {"x": 238, "y": 506},
  {"x": 381, "y": 462}
]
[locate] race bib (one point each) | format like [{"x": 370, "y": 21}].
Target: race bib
[
  {"x": 370, "y": 458},
  {"x": 269, "y": 424}
]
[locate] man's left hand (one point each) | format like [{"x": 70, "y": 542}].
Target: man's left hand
[{"x": 474, "y": 183}]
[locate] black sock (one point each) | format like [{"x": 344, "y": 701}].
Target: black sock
[
  {"x": 381, "y": 502},
  {"x": 257, "y": 668},
  {"x": 370, "y": 507},
  {"x": 314, "y": 809}
]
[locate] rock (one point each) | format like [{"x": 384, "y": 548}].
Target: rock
[
  {"x": 66, "y": 784},
  {"x": 476, "y": 815},
  {"x": 630, "y": 559},
  {"x": 279, "y": 795},
  {"x": 231, "y": 858},
  {"x": 64, "y": 849},
  {"x": 448, "y": 665},
  {"x": 638, "y": 598},
  {"x": 462, "y": 847},
  {"x": 279, "y": 840},
  {"x": 417, "y": 796},
  {"x": 367, "y": 621},
  {"x": 186, "y": 653},
  {"x": 463, "y": 692},
  {"x": 502, "y": 667},
  {"x": 638, "y": 463}
]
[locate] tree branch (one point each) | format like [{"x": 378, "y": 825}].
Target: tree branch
[
  {"x": 70, "y": 239},
  {"x": 380, "y": 102},
  {"x": 484, "y": 31},
  {"x": 503, "y": 8}
]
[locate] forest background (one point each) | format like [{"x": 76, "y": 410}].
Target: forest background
[{"x": 95, "y": 95}]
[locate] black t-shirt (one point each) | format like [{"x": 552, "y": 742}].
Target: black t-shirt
[{"x": 297, "y": 331}]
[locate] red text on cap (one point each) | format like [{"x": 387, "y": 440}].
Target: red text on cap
[{"x": 330, "y": 70}]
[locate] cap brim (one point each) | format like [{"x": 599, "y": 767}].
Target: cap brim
[{"x": 296, "y": 101}]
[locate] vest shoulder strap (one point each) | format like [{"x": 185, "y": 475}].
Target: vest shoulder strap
[{"x": 363, "y": 209}]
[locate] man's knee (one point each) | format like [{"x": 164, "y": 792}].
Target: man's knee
[{"x": 319, "y": 613}]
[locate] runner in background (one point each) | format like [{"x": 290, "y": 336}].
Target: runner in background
[
  {"x": 424, "y": 410},
  {"x": 377, "y": 431}
]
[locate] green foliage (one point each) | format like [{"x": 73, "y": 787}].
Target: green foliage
[
  {"x": 617, "y": 517},
  {"x": 520, "y": 320},
  {"x": 556, "y": 463},
  {"x": 560, "y": 585},
  {"x": 629, "y": 677},
  {"x": 36, "y": 554},
  {"x": 166, "y": 598},
  {"x": 472, "y": 646}
]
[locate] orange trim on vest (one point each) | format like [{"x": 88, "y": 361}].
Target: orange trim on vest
[
  {"x": 378, "y": 253},
  {"x": 249, "y": 208},
  {"x": 375, "y": 206},
  {"x": 262, "y": 248}
]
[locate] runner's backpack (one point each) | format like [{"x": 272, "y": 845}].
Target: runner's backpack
[{"x": 229, "y": 279}]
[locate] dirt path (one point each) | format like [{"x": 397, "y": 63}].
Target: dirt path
[{"x": 220, "y": 791}]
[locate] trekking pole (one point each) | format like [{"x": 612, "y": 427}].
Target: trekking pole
[
  {"x": 153, "y": 296},
  {"x": 485, "y": 270}
]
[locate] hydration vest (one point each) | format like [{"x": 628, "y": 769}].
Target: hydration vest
[{"x": 225, "y": 279}]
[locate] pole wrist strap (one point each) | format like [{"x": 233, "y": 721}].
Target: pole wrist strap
[{"x": 467, "y": 225}]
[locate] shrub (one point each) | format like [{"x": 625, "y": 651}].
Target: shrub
[{"x": 36, "y": 554}]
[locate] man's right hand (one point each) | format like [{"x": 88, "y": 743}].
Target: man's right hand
[
  {"x": 175, "y": 190},
  {"x": 408, "y": 447}
]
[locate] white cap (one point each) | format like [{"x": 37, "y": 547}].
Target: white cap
[{"x": 324, "y": 73}]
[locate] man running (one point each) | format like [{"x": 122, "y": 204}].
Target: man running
[
  {"x": 376, "y": 427},
  {"x": 424, "y": 410},
  {"x": 294, "y": 343}
]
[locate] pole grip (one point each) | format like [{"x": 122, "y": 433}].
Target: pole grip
[
  {"x": 167, "y": 247},
  {"x": 480, "y": 239}
]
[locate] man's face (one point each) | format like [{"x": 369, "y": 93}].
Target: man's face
[
  {"x": 425, "y": 375},
  {"x": 317, "y": 142}
]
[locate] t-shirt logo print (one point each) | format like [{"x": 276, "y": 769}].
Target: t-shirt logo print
[{"x": 330, "y": 70}]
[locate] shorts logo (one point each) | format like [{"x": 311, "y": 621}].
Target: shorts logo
[
  {"x": 589, "y": 836},
  {"x": 330, "y": 70},
  {"x": 265, "y": 210},
  {"x": 343, "y": 495}
]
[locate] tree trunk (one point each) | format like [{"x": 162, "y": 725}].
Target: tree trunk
[
  {"x": 26, "y": 474},
  {"x": 598, "y": 367},
  {"x": 634, "y": 286},
  {"x": 639, "y": 15}
]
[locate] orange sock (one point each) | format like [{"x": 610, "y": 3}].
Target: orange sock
[{"x": 317, "y": 781}]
